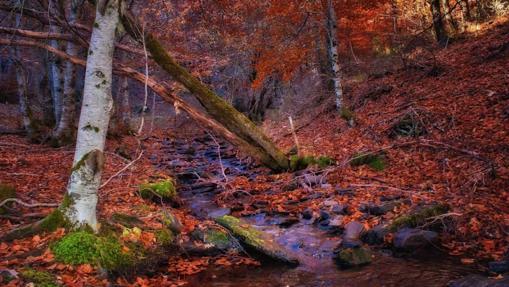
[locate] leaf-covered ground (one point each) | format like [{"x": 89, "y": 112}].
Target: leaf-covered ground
[{"x": 459, "y": 97}]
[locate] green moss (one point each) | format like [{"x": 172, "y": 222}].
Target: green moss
[
  {"x": 248, "y": 234},
  {"x": 6, "y": 191},
  {"x": 164, "y": 189},
  {"x": 375, "y": 161},
  {"x": 39, "y": 278},
  {"x": 81, "y": 162},
  {"x": 352, "y": 257},
  {"x": 54, "y": 220},
  {"x": 419, "y": 217},
  {"x": 164, "y": 237},
  {"x": 303, "y": 162},
  {"x": 347, "y": 114},
  {"x": 324, "y": 161},
  {"x": 82, "y": 247}
]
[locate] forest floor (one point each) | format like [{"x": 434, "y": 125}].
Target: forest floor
[{"x": 455, "y": 103}]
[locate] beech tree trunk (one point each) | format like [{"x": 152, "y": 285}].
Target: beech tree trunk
[
  {"x": 21, "y": 80},
  {"x": 332, "y": 51},
  {"x": 54, "y": 67},
  {"x": 438, "y": 23},
  {"x": 94, "y": 119},
  {"x": 65, "y": 126},
  {"x": 123, "y": 102},
  {"x": 249, "y": 134}
]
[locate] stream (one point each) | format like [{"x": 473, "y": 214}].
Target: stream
[{"x": 199, "y": 159}]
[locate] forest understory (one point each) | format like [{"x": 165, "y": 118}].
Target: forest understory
[{"x": 409, "y": 186}]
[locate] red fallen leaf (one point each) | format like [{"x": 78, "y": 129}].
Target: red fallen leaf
[
  {"x": 36, "y": 239},
  {"x": 85, "y": 269},
  {"x": 4, "y": 246},
  {"x": 467, "y": 261}
]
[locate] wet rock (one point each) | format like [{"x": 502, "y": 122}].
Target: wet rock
[
  {"x": 381, "y": 209},
  {"x": 219, "y": 212},
  {"x": 342, "y": 191},
  {"x": 215, "y": 238},
  {"x": 410, "y": 239},
  {"x": 479, "y": 281},
  {"x": 499, "y": 266},
  {"x": 340, "y": 209},
  {"x": 336, "y": 221},
  {"x": 375, "y": 235},
  {"x": 352, "y": 234},
  {"x": 353, "y": 257},
  {"x": 307, "y": 214},
  {"x": 255, "y": 240},
  {"x": 324, "y": 215},
  {"x": 289, "y": 221}
]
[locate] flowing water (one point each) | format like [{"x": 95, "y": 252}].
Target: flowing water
[{"x": 313, "y": 246}]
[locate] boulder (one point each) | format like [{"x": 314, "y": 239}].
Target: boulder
[
  {"x": 352, "y": 234},
  {"x": 499, "y": 266},
  {"x": 410, "y": 239},
  {"x": 255, "y": 240},
  {"x": 353, "y": 257},
  {"x": 375, "y": 235}
]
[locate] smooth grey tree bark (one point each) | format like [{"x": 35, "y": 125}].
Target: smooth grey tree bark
[
  {"x": 21, "y": 80},
  {"x": 54, "y": 67},
  {"x": 94, "y": 119},
  {"x": 65, "y": 126},
  {"x": 332, "y": 50}
]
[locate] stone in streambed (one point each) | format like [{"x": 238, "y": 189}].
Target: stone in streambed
[
  {"x": 353, "y": 257},
  {"x": 409, "y": 239},
  {"x": 375, "y": 235},
  {"x": 499, "y": 266},
  {"x": 479, "y": 281},
  {"x": 352, "y": 234},
  {"x": 255, "y": 240}
]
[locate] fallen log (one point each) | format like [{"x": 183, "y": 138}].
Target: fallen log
[
  {"x": 258, "y": 144},
  {"x": 159, "y": 89}
]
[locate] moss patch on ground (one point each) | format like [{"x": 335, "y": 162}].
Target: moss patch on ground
[
  {"x": 303, "y": 162},
  {"x": 418, "y": 217},
  {"x": 39, "y": 278},
  {"x": 164, "y": 189},
  {"x": 82, "y": 247},
  {"x": 374, "y": 161}
]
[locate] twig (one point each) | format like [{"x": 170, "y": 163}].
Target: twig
[
  {"x": 27, "y": 204},
  {"x": 295, "y": 139},
  {"x": 122, "y": 170}
]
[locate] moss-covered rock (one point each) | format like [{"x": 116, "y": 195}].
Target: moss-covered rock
[
  {"x": 172, "y": 222},
  {"x": 39, "y": 278},
  {"x": 255, "y": 240},
  {"x": 165, "y": 237},
  {"x": 82, "y": 247},
  {"x": 353, "y": 257},
  {"x": 374, "y": 161},
  {"x": 215, "y": 237},
  {"x": 163, "y": 189},
  {"x": 419, "y": 217},
  {"x": 303, "y": 162},
  {"x": 6, "y": 191}
]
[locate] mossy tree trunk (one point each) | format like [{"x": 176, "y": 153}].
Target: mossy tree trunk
[
  {"x": 258, "y": 144},
  {"x": 94, "y": 119}
]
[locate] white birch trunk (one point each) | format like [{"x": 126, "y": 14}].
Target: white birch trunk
[
  {"x": 64, "y": 127},
  {"x": 332, "y": 50},
  {"x": 94, "y": 119}
]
